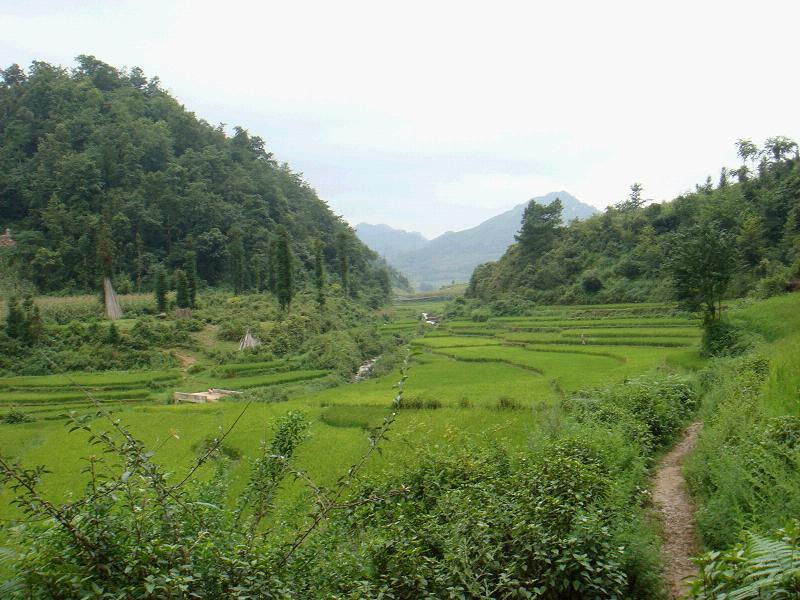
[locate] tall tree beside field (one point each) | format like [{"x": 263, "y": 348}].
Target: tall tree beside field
[
  {"x": 191, "y": 281},
  {"x": 283, "y": 269},
  {"x": 13, "y": 318},
  {"x": 272, "y": 266},
  {"x": 182, "y": 295},
  {"x": 259, "y": 270},
  {"x": 105, "y": 256},
  {"x": 319, "y": 272},
  {"x": 105, "y": 249},
  {"x": 236, "y": 252},
  {"x": 343, "y": 260},
  {"x": 24, "y": 322},
  {"x": 139, "y": 261},
  {"x": 161, "y": 290},
  {"x": 702, "y": 265}
]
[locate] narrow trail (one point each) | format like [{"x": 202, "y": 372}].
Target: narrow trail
[
  {"x": 676, "y": 510},
  {"x": 186, "y": 361}
]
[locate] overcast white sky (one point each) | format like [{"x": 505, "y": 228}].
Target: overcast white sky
[{"x": 434, "y": 116}]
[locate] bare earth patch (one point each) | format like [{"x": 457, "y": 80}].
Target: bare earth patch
[
  {"x": 676, "y": 509},
  {"x": 186, "y": 360}
]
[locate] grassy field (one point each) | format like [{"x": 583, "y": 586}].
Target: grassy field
[{"x": 493, "y": 380}]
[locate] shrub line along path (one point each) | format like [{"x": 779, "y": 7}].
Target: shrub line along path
[{"x": 676, "y": 509}]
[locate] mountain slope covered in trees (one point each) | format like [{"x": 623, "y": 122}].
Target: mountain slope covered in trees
[
  {"x": 453, "y": 255},
  {"x": 98, "y": 163},
  {"x": 630, "y": 252}
]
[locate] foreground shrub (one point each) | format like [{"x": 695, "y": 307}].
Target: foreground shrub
[
  {"x": 136, "y": 536},
  {"x": 335, "y": 351},
  {"x": 477, "y": 524},
  {"x": 761, "y": 567},
  {"x": 564, "y": 520},
  {"x": 651, "y": 410},
  {"x": 723, "y": 338}
]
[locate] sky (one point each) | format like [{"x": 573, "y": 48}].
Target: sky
[{"x": 434, "y": 116}]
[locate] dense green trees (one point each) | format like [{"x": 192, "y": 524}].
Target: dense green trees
[
  {"x": 99, "y": 162},
  {"x": 236, "y": 254},
  {"x": 343, "y": 260},
  {"x": 160, "y": 290},
  {"x": 540, "y": 228},
  {"x": 284, "y": 278},
  {"x": 319, "y": 272},
  {"x": 182, "y": 297},
  {"x": 23, "y": 322},
  {"x": 701, "y": 266},
  {"x": 191, "y": 282},
  {"x": 749, "y": 240}
]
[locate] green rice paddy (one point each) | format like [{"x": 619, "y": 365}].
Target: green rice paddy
[{"x": 490, "y": 381}]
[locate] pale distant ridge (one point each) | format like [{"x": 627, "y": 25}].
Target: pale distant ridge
[{"x": 454, "y": 255}]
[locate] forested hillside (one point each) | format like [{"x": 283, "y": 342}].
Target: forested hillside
[
  {"x": 752, "y": 216},
  {"x": 98, "y": 163}
]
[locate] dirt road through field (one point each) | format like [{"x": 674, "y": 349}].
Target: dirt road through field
[{"x": 676, "y": 509}]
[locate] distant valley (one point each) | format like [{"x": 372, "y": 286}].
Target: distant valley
[{"x": 453, "y": 255}]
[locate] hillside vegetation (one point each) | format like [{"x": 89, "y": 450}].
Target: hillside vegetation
[
  {"x": 624, "y": 254},
  {"x": 499, "y": 445},
  {"x": 99, "y": 165}
]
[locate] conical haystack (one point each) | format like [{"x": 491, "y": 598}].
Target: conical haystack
[
  {"x": 249, "y": 341},
  {"x": 113, "y": 310}
]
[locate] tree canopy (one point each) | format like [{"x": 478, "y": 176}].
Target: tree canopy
[
  {"x": 101, "y": 162},
  {"x": 541, "y": 225},
  {"x": 750, "y": 232}
]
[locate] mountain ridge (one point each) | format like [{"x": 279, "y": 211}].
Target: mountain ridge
[{"x": 453, "y": 255}]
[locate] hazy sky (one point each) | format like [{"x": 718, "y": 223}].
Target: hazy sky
[{"x": 433, "y": 115}]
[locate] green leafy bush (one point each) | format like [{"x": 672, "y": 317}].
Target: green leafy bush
[
  {"x": 335, "y": 351},
  {"x": 723, "y": 338},
  {"x": 480, "y": 315},
  {"x": 15, "y": 416},
  {"x": 475, "y": 524},
  {"x": 652, "y": 410},
  {"x": 760, "y": 567}
]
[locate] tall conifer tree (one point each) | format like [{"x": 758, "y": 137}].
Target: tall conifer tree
[
  {"x": 237, "y": 259},
  {"x": 283, "y": 269},
  {"x": 319, "y": 272},
  {"x": 161, "y": 290},
  {"x": 183, "y": 298}
]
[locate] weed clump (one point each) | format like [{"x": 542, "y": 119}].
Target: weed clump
[
  {"x": 419, "y": 403},
  {"x": 14, "y": 417},
  {"x": 506, "y": 403}
]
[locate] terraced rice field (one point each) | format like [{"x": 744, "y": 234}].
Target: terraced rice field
[{"x": 494, "y": 381}]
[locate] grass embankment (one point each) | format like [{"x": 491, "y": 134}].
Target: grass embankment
[
  {"x": 74, "y": 387},
  {"x": 745, "y": 471}
]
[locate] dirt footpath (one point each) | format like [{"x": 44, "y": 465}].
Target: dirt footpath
[{"x": 676, "y": 509}]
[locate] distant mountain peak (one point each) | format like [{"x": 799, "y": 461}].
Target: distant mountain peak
[
  {"x": 388, "y": 228},
  {"x": 453, "y": 255},
  {"x": 388, "y": 241}
]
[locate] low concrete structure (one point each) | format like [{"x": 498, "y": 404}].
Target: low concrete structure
[{"x": 212, "y": 395}]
